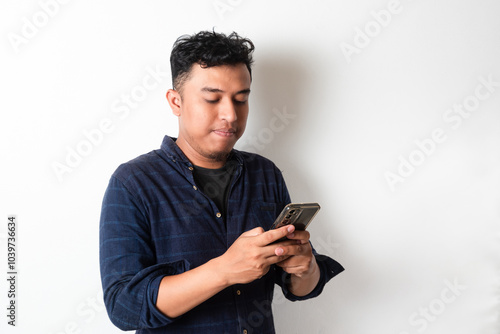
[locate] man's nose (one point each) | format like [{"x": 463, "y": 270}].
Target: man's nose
[{"x": 228, "y": 111}]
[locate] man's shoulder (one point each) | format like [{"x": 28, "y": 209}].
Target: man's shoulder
[{"x": 146, "y": 163}]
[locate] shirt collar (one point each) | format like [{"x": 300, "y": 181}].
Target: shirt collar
[{"x": 175, "y": 154}]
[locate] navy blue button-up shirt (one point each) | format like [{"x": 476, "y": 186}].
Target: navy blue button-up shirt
[{"x": 156, "y": 222}]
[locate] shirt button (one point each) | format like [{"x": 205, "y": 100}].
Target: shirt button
[
  {"x": 238, "y": 292},
  {"x": 195, "y": 187},
  {"x": 190, "y": 168},
  {"x": 245, "y": 331},
  {"x": 218, "y": 215}
]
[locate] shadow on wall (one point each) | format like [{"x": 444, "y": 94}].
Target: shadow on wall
[
  {"x": 282, "y": 127},
  {"x": 282, "y": 122},
  {"x": 275, "y": 105},
  {"x": 276, "y": 110}
]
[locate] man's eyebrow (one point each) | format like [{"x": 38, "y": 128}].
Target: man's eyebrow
[
  {"x": 211, "y": 90},
  {"x": 243, "y": 91},
  {"x": 217, "y": 90}
]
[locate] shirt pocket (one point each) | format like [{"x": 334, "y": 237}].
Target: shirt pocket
[{"x": 264, "y": 214}]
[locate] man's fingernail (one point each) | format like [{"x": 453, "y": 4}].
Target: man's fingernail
[
  {"x": 290, "y": 228},
  {"x": 278, "y": 251}
]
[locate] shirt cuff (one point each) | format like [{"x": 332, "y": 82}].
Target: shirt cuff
[{"x": 328, "y": 267}]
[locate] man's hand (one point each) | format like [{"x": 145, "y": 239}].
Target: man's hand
[
  {"x": 300, "y": 263},
  {"x": 251, "y": 255},
  {"x": 300, "y": 259}
]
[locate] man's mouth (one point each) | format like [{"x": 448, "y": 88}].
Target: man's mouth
[{"x": 225, "y": 132}]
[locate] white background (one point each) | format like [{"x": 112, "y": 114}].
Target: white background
[{"x": 356, "y": 116}]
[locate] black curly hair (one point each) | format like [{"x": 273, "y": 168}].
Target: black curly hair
[{"x": 208, "y": 49}]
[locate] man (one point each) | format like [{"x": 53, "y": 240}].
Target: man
[{"x": 185, "y": 244}]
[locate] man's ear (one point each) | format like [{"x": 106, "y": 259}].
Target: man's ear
[{"x": 174, "y": 100}]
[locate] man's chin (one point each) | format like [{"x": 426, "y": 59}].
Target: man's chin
[{"x": 219, "y": 156}]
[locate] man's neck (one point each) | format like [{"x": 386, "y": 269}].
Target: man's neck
[{"x": 197, "y": 159}]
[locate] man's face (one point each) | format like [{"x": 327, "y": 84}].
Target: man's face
[{"x": 213, "y": 111}]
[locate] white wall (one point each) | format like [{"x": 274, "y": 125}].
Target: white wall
[{"x": 358, "y": 104}]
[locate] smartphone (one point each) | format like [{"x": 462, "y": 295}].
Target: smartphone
[{"x": 298, "y": 214}]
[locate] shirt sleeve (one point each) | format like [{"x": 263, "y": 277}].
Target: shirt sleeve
[
  {"x": 328, "y": 267},
  {"x": 130, "y": 275}
]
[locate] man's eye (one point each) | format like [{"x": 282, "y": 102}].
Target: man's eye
[
  {"x": 240, "y": 102},
  {"x": 211, "y": 101}
]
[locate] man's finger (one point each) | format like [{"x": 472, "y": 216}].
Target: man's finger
[
  {"x": 271, "y": 236},
  {"x": 253, "y": 232},
  {"x": 292, "y": 249},
  {"x": 302, "y": 236}
]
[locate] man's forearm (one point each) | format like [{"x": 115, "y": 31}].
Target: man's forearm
[{"x": 180, "y": 293}]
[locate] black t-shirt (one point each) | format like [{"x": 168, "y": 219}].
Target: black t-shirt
[{"x": 215, "y": 183}]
